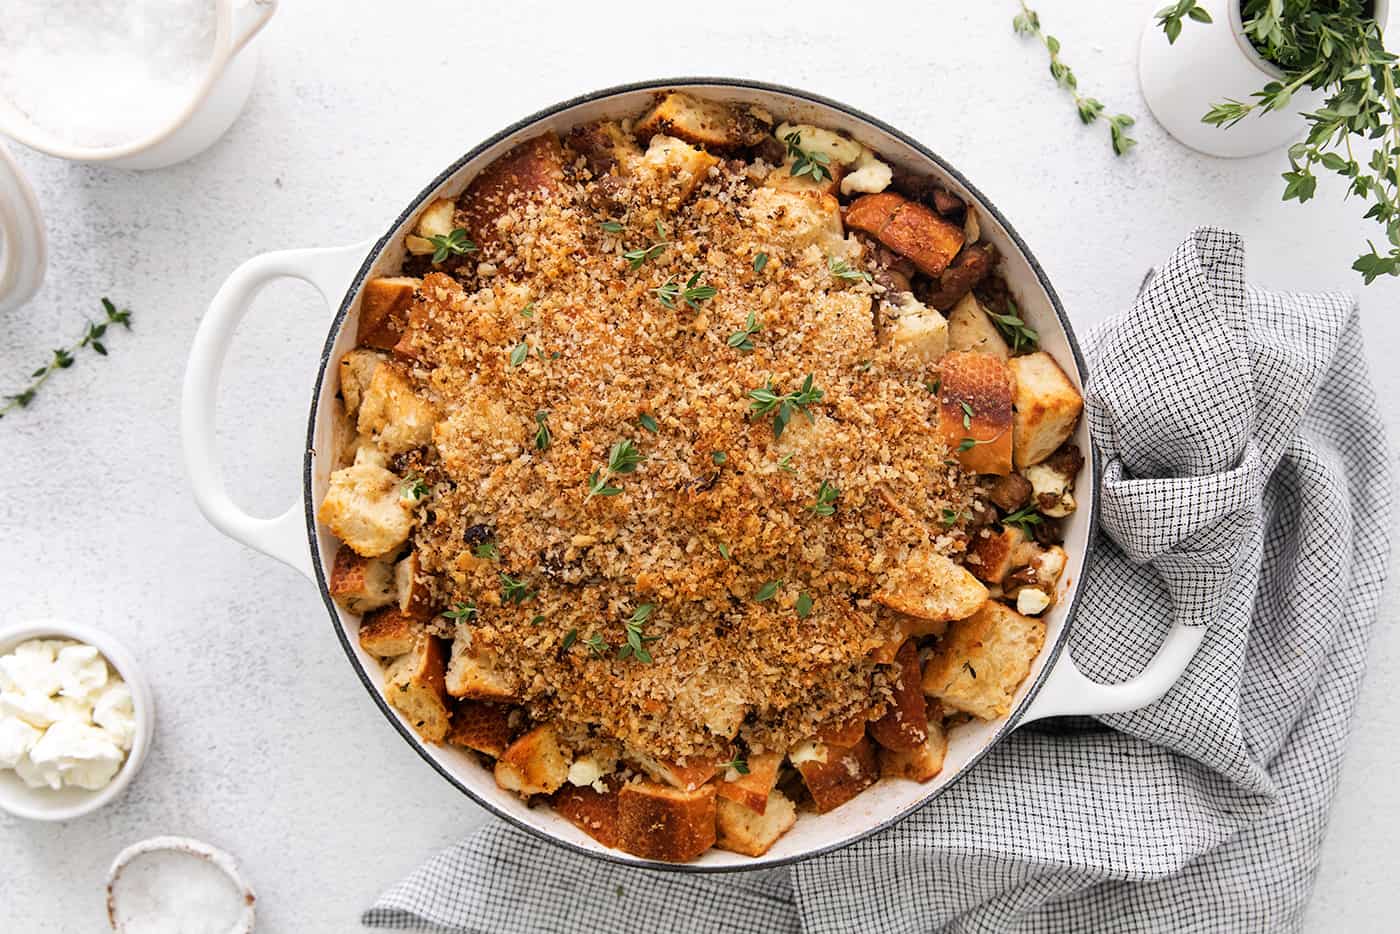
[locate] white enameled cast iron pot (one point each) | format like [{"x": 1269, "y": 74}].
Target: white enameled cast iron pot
[{"x": 1054, "y": 686}]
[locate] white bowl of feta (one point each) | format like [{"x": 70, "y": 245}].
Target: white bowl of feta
[{"x": 76, "y": 718}]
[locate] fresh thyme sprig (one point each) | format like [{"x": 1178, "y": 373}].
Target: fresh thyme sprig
[
  {"x": 815, "y": 164},
  {"x": 514, "y": 590},
  {"x": 623, "y": 458},
  {"x": 597, "y": 644},
  {"x": 768, "y": 591},
  {"x": 804, "y": 605},
  {"x": 637, "y": 640},
  {"x": 1338, "y": 48},
  {"x": 1170, "y": 17},
  {"x": 65, "y": 357},
  {"x": 455, "y": 243},
  {"x": 1014, "y": 328},
  {"x": 1023, "y": 518},
  {"x": 693, "y": 293},
  {"x": 768, "y": 399},
  {"x": 542, "y": 434},
  {"x": 414, "y": 489},
  {"x": 460, "y": 612},
  {"x": 743, "y": 339},
  {"x": 826, "y": 500},
  {"x": 738, "y": 764},
  {"x": 843, "y": 270},
  {"x": 635, "y": 258},
  {"x": 1027, "y": 23}
]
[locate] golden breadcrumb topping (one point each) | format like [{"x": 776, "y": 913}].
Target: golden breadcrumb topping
[{"x": 758, "y": 554}]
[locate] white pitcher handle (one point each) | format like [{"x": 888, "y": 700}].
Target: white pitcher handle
[
  {"x": 1067, "y": 692},
  {"x": 23, "y": 246},
  {"x": 330, "y": 271},
  {"x": 249, "y": 20}
]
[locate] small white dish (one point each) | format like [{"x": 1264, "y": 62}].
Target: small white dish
[
  {"x": 172, "y": 879},
  {"x": 45, "y": 804}
]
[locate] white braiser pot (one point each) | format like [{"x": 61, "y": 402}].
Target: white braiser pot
[{"x": 1054, "y": 686}]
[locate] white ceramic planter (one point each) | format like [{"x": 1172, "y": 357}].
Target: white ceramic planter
[
  {"x": 1213, "y": 62},
  {"x": 207, "y": 115}
]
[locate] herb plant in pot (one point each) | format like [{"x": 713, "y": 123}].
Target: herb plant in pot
[{"x": 1241, "y": 77}]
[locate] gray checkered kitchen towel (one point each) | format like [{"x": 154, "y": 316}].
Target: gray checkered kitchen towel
[{"x": 1247, "y": 489}]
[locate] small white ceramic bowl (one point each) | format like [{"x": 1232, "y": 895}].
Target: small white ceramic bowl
[
  {"x": 195, "y": 849},
  {"x": 67, "y": 803}
]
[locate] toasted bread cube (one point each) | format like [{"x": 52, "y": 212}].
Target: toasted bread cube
[
  {"x": 980, "y": 663},
  {"x": 436, "y": 219},
  {"x": 930, "y": 586},
  {"x": 361, "y": 584},
  {"x": 659, "y": 822},
  {"x": 535, "y": 764},
  {"x": 480, "y": 725},
  {"x": 924, "y": 336},
  {"x": 678, "y": 166},
  {"x": 687, "y": 776},
  {"x": 753, "y": 832},
  {"x": 396, "y": 417},
  {"x": 365, "y": 509},
  {"x": 532, "y": 171},
  {"x": 388, "y": 633},
  {"x": 752, "y": 790},
  {"x": 470, "y": 673},
  {"x": 911, "y": 626},
  {"x": 971, "y": 328},
  {"x": 975, "y": 413},
  {"x": 838, "y": 148},
  {"x": 1047, "y": 406},
  {"x": 605, "y": 147},
  {"x": 838, "y": 773},
  {"x": 845, "y": 732},
  {"x": 920, "y": 764},
  {"x": 592, "y": 811},
  {"x": 712, "y": 124},
  {"x": 384, "y": 310},
  {"x": 795, "y": 220},
  {"x": 411, "y": 590},
  {"x": 905, "y": 724},
  {"x": 909, "y": 228},
  {"x": 356, "y": 370},
  {"x": 782, "y": 179},
  {"x": 413, "y": 685},
  {"x": 992, "y": 553}
]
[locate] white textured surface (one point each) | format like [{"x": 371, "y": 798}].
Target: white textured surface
[{"x": 266, "y": 744}]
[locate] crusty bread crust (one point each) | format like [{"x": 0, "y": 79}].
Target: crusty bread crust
[
  {"x": 975, "y": 405},
  {"x": 414, "y": 685},
  {"x": 752, "y": 790},
  {"x": 384, "y": 310},
  {"x": 481, "y": 725},
  {"x": 741, "y": 829},
  {"x": 389, "y": 632},
  {"x": 594, "y": 812},
  {"x": 659, "y": 822},
  {"x": 535, "y": 764},
  {"x": 1047, "y": 407},
  {"x": 846, "y": 772},
  {"x": 932, "y": 587},
  {"x": 712, "y": 124},
  {"x": 980, "y": 663},
  {"x": 905, "y": 724},
  {"x": 533, "y": 170},
  {"x": 909, "y": 228},
  {"x": 923, "y": 762}
]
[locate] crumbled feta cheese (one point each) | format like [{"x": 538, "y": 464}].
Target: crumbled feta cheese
[
  {"x": 16, "y": 739},
  {"x": 1051, "y": 483},
  {"x": 75, "y": 753},
  {"x": 1031, "y": 602},
  {"x": 808, "y": 751},
  {"x": 868, "y": 175},
  {"x": 82, "y": 672},
  {"x": 116, "y": 714}
]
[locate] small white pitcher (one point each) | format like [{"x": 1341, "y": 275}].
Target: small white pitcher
[
  {"x": 1212, "y": 62},
  {"x": 207, "y": 115}
]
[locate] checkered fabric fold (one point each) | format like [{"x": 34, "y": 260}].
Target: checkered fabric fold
[{"x": 1247, "y": 489}]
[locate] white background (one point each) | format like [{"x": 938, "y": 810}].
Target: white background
[{"x": 266, "y": 743}]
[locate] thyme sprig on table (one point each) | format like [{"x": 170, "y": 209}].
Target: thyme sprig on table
[
  {"x": 1170, "y": 18},
  {"x": 1027, "y": 23},
  {"x": 94, "y": 338},
  {"x": 1338, "y": 48}
]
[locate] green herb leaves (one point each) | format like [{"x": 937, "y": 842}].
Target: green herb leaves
[
  {"x": 635, "y": 258},
  {"x": 514, "y": 590},
  {"x": 1023, "y": 518},
  {"x": 804, "y": 605},
  {"x": 759, "y": 262},
  {"x": 826, "y": 500},
  {"x": 692, "y": 294},
  {"x": 648, "y": 422},
  {"x": 518, "y": 353},
  {"x": 1012, "y": 327},
  {"x": 461, "y": 612},
  {"x": 737, "y": 764},
  {"x": 817, "y": 165},
  {"x": 455, "y": 243},
  {"x": 93, "y": 337},
  {"x": 843, "y": 270},
  {"x": 611, "y": 226},
  {"x": 768, "y": 591},
  {"x": 414, "y": 489},
  {"x": 622, "y": 459},
  {"x": 1027, "y": 23},
  {"x": 1170, "y": 17},
  {"x": 768, "y": 399},
  {"x": 743, "y": 340},
  {"x": 637, "y": 640},
  {"x": 542, "y": 435},
  {"x": 1336, "y": 47}
]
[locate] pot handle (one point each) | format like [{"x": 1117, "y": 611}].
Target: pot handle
[
  {"x": 1068, "y": 692},
  {"x": 22, "y": 242},
  {"x": 329, "y": 271}
]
